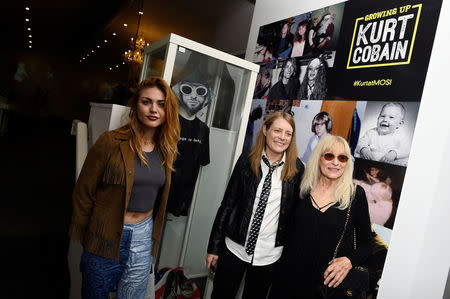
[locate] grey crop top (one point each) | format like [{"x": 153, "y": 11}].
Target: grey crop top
[{"x": 147, "y": 182}]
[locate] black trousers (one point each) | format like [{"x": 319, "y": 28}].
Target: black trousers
[{"x": 229, "y": 273}]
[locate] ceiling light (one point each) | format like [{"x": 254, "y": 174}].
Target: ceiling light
[
  {"x": 105, "y": 41},
  {"x": 123, "y": 62},
  {"x": 117, "y": 65},
  {"x": 27, "y": 20},
  {"x": 30, "y": 46},
  {"x": 110, "y": 68},
  {"x": 27, "y": 8},
  {"x": 29, "y": 29},
  {"x": 84, "y": 58},
  {"x": 114, "y": 33},
  {"x": 98, "y": 46},
  {"x": 125, "y": 25},
  {"x": 30, "y": 41},
  {"x": 92, "y": 51},
  {"x": 134, "y": 55},
  {"x": 137, "y": 46},
  {"x": 148, "y": 44},
  {"x": 30, "y": 36}
]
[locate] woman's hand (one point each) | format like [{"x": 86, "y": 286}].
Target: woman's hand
[
  {"x": 211, "y": 260},
  {"x": 337, "y": 271}
]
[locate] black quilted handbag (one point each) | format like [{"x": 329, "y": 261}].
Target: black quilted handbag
[{"x": 356, "y": 283}]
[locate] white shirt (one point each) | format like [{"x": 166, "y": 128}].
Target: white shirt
[
  {"x": 380, "y": 145},
  {"x": 297, "y": 49},
  {"x": 265, "y": 251}
]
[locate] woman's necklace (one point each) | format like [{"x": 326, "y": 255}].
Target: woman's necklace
[{"x": 320, "y": 207}]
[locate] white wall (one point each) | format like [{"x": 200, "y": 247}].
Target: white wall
[
  {"x": 418, "y": 260},
  {"x": 419, "y": 257}
]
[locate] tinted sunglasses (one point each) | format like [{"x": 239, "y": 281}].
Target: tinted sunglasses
[
  {"x": 330, "y": 157},
  {"x": 187, "y": 89}
]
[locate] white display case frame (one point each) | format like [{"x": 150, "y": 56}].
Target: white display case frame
[
  {"x": 172, "y": 41},
  {"x": 171, "y": 44}
]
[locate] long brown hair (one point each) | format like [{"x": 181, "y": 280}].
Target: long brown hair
[
  {"x": 290, "y": 166},
  {"x": 297, "y": 36},
  {"x": 167, "y": 135}
]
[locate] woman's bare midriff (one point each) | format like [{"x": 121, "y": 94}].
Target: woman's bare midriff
[{"x": 135, "y": 217}]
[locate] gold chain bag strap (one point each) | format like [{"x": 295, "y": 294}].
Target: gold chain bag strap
[
  {"x": 345, "y": 228},
  {"x": 356, "y": 283}
]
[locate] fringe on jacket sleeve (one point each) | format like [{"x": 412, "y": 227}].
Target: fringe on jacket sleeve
[{"x": 83, "y": 197}]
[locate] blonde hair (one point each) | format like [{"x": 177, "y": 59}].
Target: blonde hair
[
  {"x": 167, "y": 135},
  {"x": 290, "y": 166},
  {"x": 345, "y": 186}
]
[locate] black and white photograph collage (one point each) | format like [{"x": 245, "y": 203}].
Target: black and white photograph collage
[{"x": 295, "y": 55}]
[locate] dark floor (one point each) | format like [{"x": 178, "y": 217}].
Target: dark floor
[{"x": 37, "y": 162}]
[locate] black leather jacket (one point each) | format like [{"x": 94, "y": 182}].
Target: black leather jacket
[{"x": 233, "y": 217}]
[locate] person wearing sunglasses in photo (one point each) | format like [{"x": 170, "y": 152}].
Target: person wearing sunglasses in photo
[
  {"x": 248, "y": 233},
  {"x": 318, "y": 221},
  {"x": 194, "y": 93}
]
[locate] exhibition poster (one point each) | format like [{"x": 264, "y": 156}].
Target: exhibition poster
[{"x": 359, "y": 68}]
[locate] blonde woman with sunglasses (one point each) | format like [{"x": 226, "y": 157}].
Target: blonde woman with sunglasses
[{"x": 318, "y": 222}]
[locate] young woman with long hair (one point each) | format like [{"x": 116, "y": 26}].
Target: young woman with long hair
[
  {"x": 314, "y": 84},
  {"x": 120, "y": 197},
  {"x": 300, "y": 46}
]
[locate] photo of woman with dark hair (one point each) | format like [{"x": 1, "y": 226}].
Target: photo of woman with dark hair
[
  {"x": 283, "y": 46},
  {"x": 314, "y": 84},
  {"x": 301, "y": 46}
]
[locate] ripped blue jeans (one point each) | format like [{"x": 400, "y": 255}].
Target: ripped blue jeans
[{"x": 101, "y": 275}]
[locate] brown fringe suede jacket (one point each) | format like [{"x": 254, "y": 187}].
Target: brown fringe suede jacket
[{"x": 101, "y": 196}]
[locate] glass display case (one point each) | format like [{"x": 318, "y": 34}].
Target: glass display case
[{"x": 215, "y": 91}]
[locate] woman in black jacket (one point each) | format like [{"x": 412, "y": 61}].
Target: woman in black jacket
[
  {"x": 248, "y": 232},
  {"x": 312, "y": 264}
]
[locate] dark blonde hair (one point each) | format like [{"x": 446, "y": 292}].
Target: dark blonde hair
[
  {"x": 290, "y": 166},
  {"x": 167, "y": 135}
]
